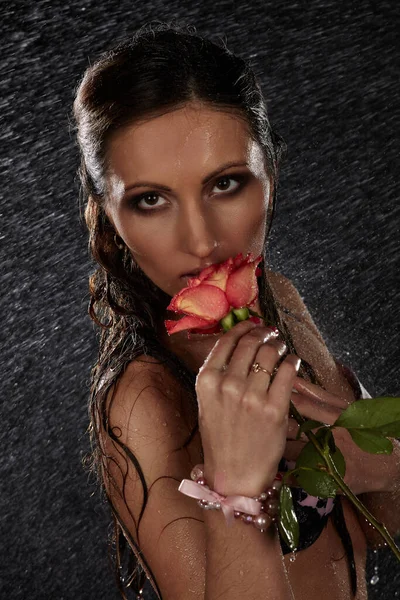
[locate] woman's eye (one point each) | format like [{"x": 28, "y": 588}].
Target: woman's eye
[
  {"x": 149, "y": 199},
  {"x": 226, "y": 187}
]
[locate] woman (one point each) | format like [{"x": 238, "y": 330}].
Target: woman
[{"x": 179, "y": 169}]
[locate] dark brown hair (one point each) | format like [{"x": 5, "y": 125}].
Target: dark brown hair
[{"x": 160, "y": 68}]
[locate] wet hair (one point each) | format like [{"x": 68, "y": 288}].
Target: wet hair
[{"x": 160, "y": 68}]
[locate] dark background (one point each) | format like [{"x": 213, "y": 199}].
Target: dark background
[{"x": 330, "y": 73}]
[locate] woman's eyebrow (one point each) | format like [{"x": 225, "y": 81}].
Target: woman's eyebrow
[{"x": 165, "y": 188}]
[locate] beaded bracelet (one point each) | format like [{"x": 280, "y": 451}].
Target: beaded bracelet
[{"x": 263, "y": 515}]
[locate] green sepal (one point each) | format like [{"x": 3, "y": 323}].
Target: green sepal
[
  {"x": 227, "y": 322},
  {"x": 241, "y": 314}
]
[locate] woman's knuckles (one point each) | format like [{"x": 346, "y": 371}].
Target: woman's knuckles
[{"x": 207, "y": 381}]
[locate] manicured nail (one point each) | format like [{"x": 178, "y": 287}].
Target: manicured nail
[
  {"x": 257, "y": 321},
  {"x": 270, "y": 336},
  {"x": 294, "y": 360},
  {"x": 280, "y": 346}
]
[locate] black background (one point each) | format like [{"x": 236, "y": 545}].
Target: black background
[{"x": 330, "y": 73}]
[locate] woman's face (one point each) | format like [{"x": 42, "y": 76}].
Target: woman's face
[{"x": 175, "y": 198}]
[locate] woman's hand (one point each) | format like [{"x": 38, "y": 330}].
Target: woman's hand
[
  {"x": 365, "y": 472},
  {"x": 242, "y": 419}
]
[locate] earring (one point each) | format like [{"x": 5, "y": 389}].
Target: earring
[{"x": 120, "y": 246}]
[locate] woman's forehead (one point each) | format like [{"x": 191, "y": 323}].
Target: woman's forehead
[{"x": 185, "y": 140}]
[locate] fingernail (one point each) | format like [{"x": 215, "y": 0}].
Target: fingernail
[
  {"x": 258, "y": 322},
  {"x": 280, "y": 346},
  {"x": 273, "y": 331},
  {"x": 294, "y": 360}
]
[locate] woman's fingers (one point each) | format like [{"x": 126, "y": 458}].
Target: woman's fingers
[
  {"x": 257, "y": 345},
  {"x": 235, "y": 351},
  {"x": 279, "y": 392},
  {"x": 267, "y": 356},
  {"x": 316, "y": 410},
  {"x": 315, "y": 392},
  {"x": 222, "y": 351}
]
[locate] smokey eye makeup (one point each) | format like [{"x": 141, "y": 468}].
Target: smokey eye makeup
[{"x": 151, "y": 198}]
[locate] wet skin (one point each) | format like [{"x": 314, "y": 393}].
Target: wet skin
[{"x": 195, "y": 223}]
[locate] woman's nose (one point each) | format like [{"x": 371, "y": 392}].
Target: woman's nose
[{"x": 197, "y": 231}]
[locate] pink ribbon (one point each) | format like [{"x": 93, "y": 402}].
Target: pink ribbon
[{"x": 228, "y": 503}]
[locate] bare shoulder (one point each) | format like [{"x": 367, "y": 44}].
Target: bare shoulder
[
  {"x": 147, "y": 461},
  {"x": 148, "y": 401}
]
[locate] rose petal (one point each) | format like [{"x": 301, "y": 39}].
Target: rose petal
[
  {"x": 204, "y": 301},
  {"x": 218, "y": 277},
  {"x": 187, "y": 322},
  {"x": 242, "y": 287}
]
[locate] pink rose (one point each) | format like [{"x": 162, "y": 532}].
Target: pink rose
[{"x": 217, "y": 297}]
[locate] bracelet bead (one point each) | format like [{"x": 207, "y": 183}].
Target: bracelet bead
[
  {"x": 262, "y": 522},
  {"x": 272, "y": 506},
  {"x": 276, "y": 485},
  {"x": 247, "y": 518},
  {"x": 269, "y": 499}
]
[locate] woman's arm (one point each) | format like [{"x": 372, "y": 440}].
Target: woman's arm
[
  {"x": 383, "y": 503},
  {"x": 192, "y": 553},
  {"x": 242, "y": 562}
]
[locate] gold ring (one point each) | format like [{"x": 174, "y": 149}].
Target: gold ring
[{"x": 256, "y": 367}]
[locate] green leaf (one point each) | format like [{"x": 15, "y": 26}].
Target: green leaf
[
  {"x": 371, "y": 441},
  {"x": 324, "y": 436},
  {"x": 370, "y": 413},
  {"x": 391, "y": 429},
  {"x": 307, "y": 426},
  {"x": 339, "y": 461},
  {"x": 315, "y": 481},
  {"x": 287, "y": 523}
]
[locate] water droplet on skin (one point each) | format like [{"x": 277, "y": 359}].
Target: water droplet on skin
[
  {"x": 164, "y": 424},
  {"x": 292, "y": 557},
  {"x": 374, "y": 580}
]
